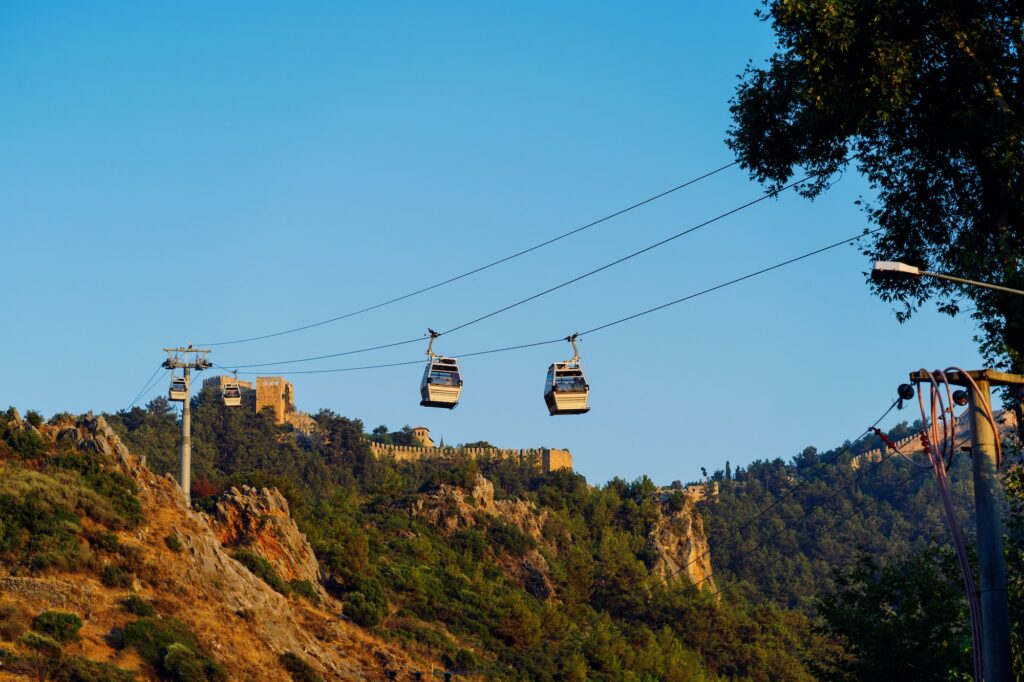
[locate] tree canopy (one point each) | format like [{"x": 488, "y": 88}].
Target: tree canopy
[{"x": 925, "y": 100}]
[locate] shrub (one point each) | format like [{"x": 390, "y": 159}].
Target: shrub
[
  {"x": 304, "y": 588},
  {"x": 34, "y": 418},
  {"x": 106, "y": 541},
  {"x": 299, "y": 669},
  {"x": 42, "y": 644},
  {"x": 173, "y": 543},
  {"x": 364, "y": 611},
  {"x": 510, "y": 537},
  {"x": 262, "y": 569},
  {"x": 59, "y": 625},
  {"x": 114, "y": 576},
  {"x": 26, "y": 442},
  {"x": 170, "y": 647},
  {"x": 78, "y": 669},
  {"x": 13, "y": 621},
  {"x": 117, "y": 488},
  {"x": 139, "y": 606}
]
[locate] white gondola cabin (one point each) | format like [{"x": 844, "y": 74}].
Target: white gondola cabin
[
  {"x": 179, "y": 389},
  {"x": 442, "y": 380},
  {"x": 231, "y": 393},
  {"x": 566, "y": 390}
]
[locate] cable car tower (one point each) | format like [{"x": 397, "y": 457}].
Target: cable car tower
[{"x": 185, "y": 359}]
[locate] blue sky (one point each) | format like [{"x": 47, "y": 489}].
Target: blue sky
[{"x": 204, "y": 171}]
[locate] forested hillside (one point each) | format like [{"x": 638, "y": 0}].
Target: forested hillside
[{"x": 501, "y": 572}]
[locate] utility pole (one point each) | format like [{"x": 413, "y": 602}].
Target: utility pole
[
  {"x": 185, "y": 359},
  {"x": 995, "y": 616}
]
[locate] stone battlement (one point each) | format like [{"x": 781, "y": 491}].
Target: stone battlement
[
  {"x": 912, "y": 445},
  {"x": 549, "y": 459}
]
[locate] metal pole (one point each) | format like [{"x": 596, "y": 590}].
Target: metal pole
[
  {"x": 185, "y": 476},
  {"x": 995, "y": 616},
  {"x": 973, "y": 283}
]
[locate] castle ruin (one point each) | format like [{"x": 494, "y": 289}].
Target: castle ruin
[{"x": 548, "y": 459}]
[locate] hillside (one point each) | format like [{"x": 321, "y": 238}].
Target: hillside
[
  {"x": 106, "y": 539},
  {"x": 304, "y": 556}
]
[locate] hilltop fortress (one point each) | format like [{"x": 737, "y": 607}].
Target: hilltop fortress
[
  {"x": 548, "y": 459},
  {"x": 278, "y": 395},
  {"x": 912, "y": 445}
]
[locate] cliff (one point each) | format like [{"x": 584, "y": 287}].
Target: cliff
[{"x": 180, "y": 562}]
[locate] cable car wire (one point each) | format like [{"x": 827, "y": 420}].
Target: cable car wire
[
  {"x": 481, "y": 268},
  {"x": 767, "y": 195},
  {"x": 720, "y": 216},
  {"x": 593, "y": 330},
  {"x": 146, "y": 387}
]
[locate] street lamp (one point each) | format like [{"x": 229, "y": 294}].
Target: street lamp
[{"x": 887, "y": 268}]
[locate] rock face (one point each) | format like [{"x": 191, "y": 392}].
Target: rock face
[
  {"x": 236, "y": 617},
  {"x": 260, "y": 519},
  {"x": 452, "y": 508},
  {"x": 681, "y": 546}
]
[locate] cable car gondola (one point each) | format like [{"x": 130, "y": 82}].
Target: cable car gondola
[
  {"x": 231, "y": 392},
  {"x": 566, "y": 390},
  {"x": 178, "y": 391},
  {"x": 442, "y": 381}
]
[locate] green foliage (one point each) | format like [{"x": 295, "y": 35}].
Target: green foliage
[
  {"x": 26, "y": 442},
  {"x": 173, "y": 543},
  {"x": 137, "y": 605},
  {"x": 922, "y": 98},
  {"x": 34, "y": 418},
  {"x": 42, "y": 644},
  {"x": 906, "y": 620},
  {"x": 304, "y": 588},
  {"x": 510, "y": 537},
  {"x": 262, "y": 569},
  {"x": 1014, "y": 482},
  {"x": 78, "y": 669},
  {"x": 118, "y": 489},
  {"x": 363, "y": 610},
  {"x": 115, "y": 576},
  {"x": 59, "y": 625},
  {"x": 171, "y": 648},
  {"x": 465, "y": 590},
  {"x": 299, "y": 669}
]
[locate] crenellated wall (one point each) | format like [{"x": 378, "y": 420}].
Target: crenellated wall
[{"x": 548, "y": 459}]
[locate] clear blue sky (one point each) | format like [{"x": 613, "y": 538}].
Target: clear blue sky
[{"x": 175, "y": 172}]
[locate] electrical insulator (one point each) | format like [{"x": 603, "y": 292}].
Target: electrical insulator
[
  {"x": 960, "y": 397},
  {"x": 905, "y": 391}
]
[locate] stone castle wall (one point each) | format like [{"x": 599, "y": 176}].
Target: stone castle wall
[
  {"x": 277, "y": 394},
  {"x": 218, "y": 382},
  {"x": 548, "y": 459}
]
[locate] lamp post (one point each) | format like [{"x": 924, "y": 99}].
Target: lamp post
[
  {"x": 887, "y": 268},
  {"x": 992, "y": 567}
]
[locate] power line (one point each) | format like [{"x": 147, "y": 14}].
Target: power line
[
  {"x": 842, "y": 519},
  {"x": 721, "y": 216},
  {"x": 803, "y": 481},
  {"x": 806, "y": 510},
  {"x": 482, "y": 267},
  {"x": 593, "y": 330}
]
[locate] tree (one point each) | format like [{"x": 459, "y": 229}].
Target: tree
[
  {"x": 926, "y": 100},
  {"x": 907, "y": 620}
]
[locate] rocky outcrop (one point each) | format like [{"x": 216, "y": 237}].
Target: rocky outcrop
[
  {"x": 452, "y": 508},
  {"x": 680, "y": 546},
  {"x": 259, "y": 519}
]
